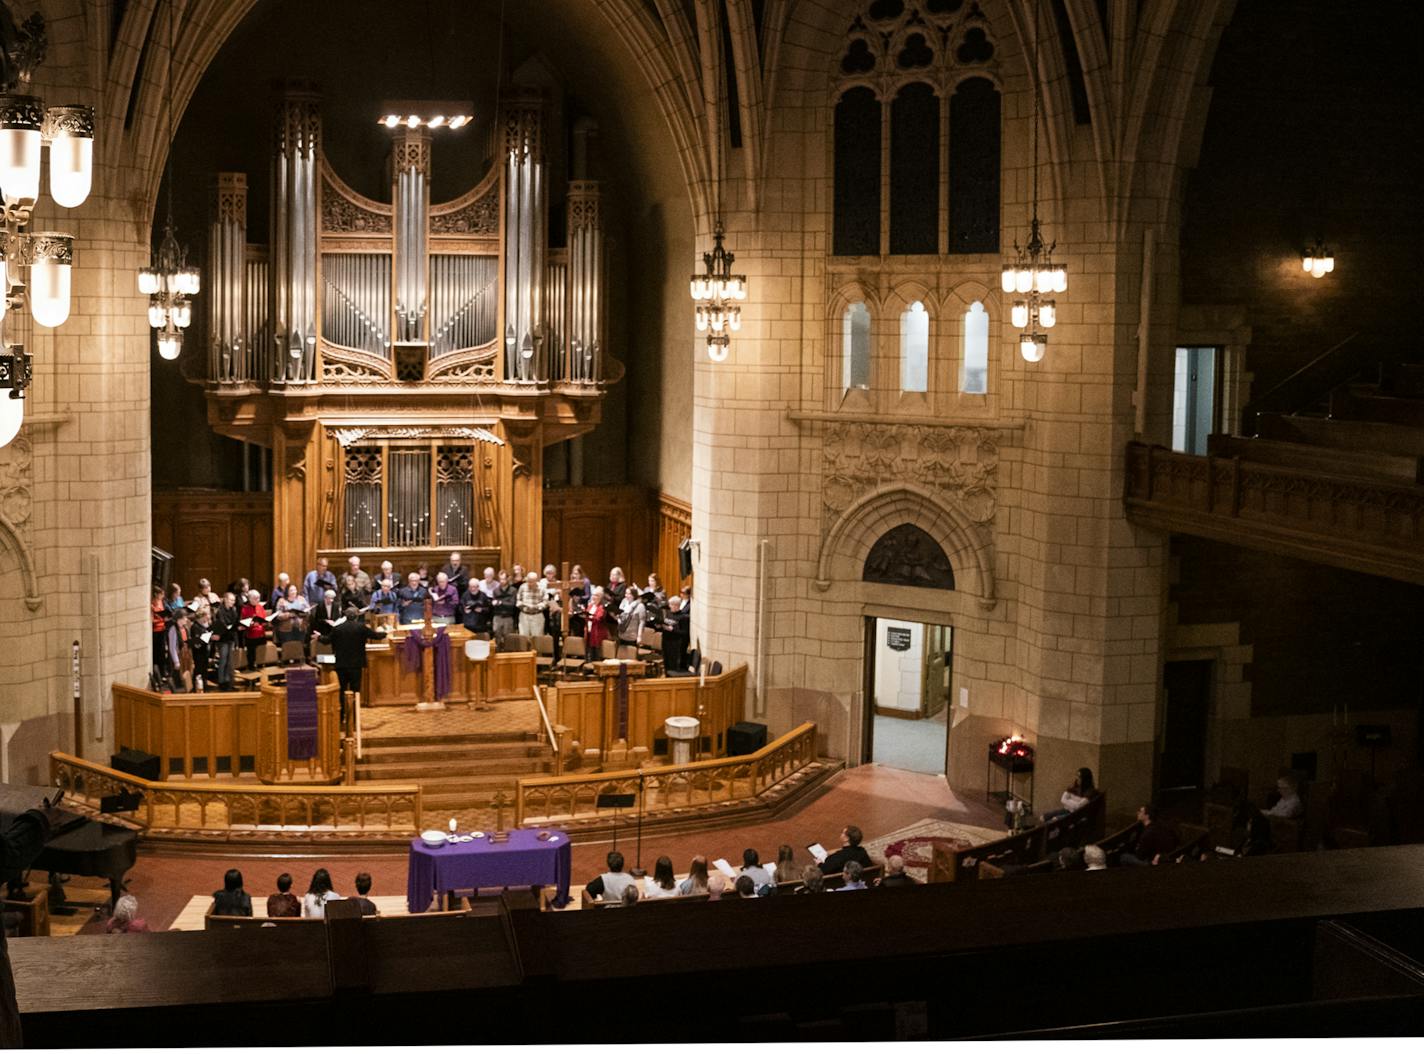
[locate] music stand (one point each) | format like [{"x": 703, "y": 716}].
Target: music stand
[{"x": 614, "y": 802}]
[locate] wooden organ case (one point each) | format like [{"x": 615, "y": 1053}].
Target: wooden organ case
[{"x": 406, "y": 363}]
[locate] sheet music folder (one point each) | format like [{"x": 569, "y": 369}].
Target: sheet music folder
[{"x": 615, "y": 801}]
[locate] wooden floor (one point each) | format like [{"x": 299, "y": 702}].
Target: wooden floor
[{"x": 879, "y": 800}]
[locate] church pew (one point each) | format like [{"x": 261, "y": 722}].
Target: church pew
[
  {"x": 1115, "y": 844},
  {"x": 962, "y": 865},
  {"x": 238, "y": 922},
  {"x": 1079, "y": 828},
  {"x": 1192, "y": 840}
]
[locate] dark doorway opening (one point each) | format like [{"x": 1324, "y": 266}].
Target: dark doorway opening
[{"x": 1188, "y": 686}]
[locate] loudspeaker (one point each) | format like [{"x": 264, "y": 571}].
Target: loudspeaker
[
  {"x": 120, "y": 802},
  {"x": 684, "y": 559},
  {"x": 135, "y": 763},
  {"x": 745, "y": 737}
]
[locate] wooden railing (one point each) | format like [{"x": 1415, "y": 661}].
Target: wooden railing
[
  {"x": 554, "y": 741},
  {"x": 1360, "y": 524},
  {"x": 224, "y": 811},
  {"x": 217, "y": 734},
  {"x": 542, "y": 799}
]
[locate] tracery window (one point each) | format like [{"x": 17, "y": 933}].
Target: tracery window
[
  {"x": 974, "y": 375},
  {"x": 915, "y": 348},
  {"x": 855, "y": 347},
  {"x": 904, "y": 64}
]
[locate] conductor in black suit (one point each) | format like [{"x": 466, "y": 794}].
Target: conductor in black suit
[{"x": 348, "y": 646}]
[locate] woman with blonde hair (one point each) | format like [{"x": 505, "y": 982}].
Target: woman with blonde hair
[{"x": 696, "y": 880}]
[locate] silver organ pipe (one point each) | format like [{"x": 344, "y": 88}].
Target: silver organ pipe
[
  {"x": 556, "y": 328},
  {"x": 357, "y": 301},
  {"x": 256, "y": 331},
  {"x": 227, "y": 249},
  {"x": 462, "y": 302},
  {"x": 293, "y": 345},
  {"x": 585, "y": 280},
  {"x": 524, "y": 240},
  {"x": 412, "y": 193}
]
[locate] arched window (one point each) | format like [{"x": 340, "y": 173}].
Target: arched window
[
  {"x": 908, "y": 556},
  {"x": 974, "y": 378},
  {"x": 914, "y": 170},
  {"x": 857, "y": 174},
  {"x": 915, "y": 348},
  {"x": 855, "y": 347},
  {"x": 974, "y": 168}
]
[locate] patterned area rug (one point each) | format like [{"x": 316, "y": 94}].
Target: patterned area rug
[{"x": 916, "y": 842}]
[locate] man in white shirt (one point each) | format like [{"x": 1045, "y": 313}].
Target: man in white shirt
[{"x": 1289, "y": 807}]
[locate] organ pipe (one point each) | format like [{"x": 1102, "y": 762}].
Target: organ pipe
[
  {"x": 412, "y": 197},
  {"x": 227, "y": 252},
  {"x": 525, "y": 239},
  {"x": 292, "y": 351},
  {"x": 585, "y": 281}
]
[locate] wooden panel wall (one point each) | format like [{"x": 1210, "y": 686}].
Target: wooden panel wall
[
  {"x": 220, "y": 535},
  {"x": 634, "y": 528}
]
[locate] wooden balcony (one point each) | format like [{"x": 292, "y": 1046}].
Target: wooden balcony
[{"x": 1362, "y": 523}]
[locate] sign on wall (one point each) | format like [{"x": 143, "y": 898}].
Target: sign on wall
[{"x": 897, "y": 638}]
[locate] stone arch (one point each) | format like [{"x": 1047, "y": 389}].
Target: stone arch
[
  {"x": 10, "y": 539},
  {"x": 856, "y": 531}
]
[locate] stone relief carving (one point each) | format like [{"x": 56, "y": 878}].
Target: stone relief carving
[
  {"x": 16, "y": 503},
  {"x": 962, "y": 461}
]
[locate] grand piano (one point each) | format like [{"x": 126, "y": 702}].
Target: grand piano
[{"x": 77, "y": 845}]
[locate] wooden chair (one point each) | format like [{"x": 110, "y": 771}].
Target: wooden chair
[
  {"x": 575, "y": 660},
  {"x": 608, "y": 649},
  {"x": 267, "y": 655},
  {"x": 293, "y": 651},
  {"x": 516, "y": 642},
  {"x": 544, "y": 655},
  {"x": 650, "y": 644}
]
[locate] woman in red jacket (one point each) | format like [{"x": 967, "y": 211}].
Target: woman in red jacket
[
  {"x": 158, "y": 612},
  {"x": 595, "y": 626},
  {"x": 256, "y": 631}
]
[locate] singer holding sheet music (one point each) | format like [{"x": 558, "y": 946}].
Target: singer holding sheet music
[{"x": 253, "y": 621}]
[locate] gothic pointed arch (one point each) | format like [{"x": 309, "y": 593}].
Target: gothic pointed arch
[{"x": 855, "y": 532}]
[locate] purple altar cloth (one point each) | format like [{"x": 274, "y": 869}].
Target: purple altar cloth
[{"x": 521, "y": 861}]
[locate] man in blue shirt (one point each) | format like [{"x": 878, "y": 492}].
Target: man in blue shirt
[
  {"x": 412, "y": 600},
  {"x": 318, "y": 582}
]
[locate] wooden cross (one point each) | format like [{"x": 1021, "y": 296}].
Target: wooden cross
[{"x": 500, "y": 801}]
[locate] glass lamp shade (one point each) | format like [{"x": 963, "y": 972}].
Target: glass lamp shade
[
  {"x": 157, "y": 316},
  {"x": 170, "y": 345},
  {"x": 1008, "y": 283},
  {"x": 21, "y": 119},
  {"x": 182, "y": 313},
  {"x": 1043, "y": 280},
  {"x": 701, "y": 319},
  {"x": 70, "y": 131},
  {"x": 148, "y": 283},
  {"x": 717, "y": 352},
  {"x": 1032, "y": 346},
  {"x": 1048, "y": 314},
  {"x": 188, "y": 281},
  {"x": 4, "y": 287},
  {"x": 1060, "y": 279},
  {"x": 51, "y": 256},
  {"x": 734, "y": 318},
  {"x": 1023, "y": 280},
  {"x": 1018, "y": 315},
  {"x": 12, "y": 416},
  {"x": 1307, "y": 263},
  {"x": 1329, "y": 264}
]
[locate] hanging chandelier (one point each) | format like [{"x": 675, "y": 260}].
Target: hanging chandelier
[
  {"x": 168, "y": 282},
  {"x": 1318, "y": 261},
  {"x": 1033, "y": 274},
  {"x": 35, "y": 269},
  {"x": 715, "y": 292}
]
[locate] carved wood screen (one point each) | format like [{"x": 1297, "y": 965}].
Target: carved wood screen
[{"x": 409, "y": 495}]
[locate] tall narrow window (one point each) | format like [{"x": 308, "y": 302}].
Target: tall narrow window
[
  {"x": 1194, "y": 399},
  {"x": 974, "y": 379},
  {"x": 857, "y": 174},
  {"x": 855, "y": 347},
  {"x": 915, "y": 348},
  {"x": 974, "y": 168},
  {"x": 914, "y": 170}
]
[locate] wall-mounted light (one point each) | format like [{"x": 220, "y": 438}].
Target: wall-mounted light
[
  {"x": 1318, "y": 261},
  {"x": 426, "y": 114}
]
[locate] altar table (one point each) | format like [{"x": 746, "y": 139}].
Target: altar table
[{"x": 522, "y": 861}]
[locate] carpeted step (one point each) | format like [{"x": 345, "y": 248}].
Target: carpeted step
[
  {"x": 424, "y": 771},
  {"x": 452, "y": 752},
  {"x": 374, "y": 740}
]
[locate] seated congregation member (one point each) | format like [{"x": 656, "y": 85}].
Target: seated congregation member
[
  {"x": 457, "y": 574},
  {"x": 412, "y": 600},
  {"x": 477, "y": 612},
  {"x": 126, "y": 918},
  {"x": 610, "y": 885},
  {"x": 716, "y": 886},
  {"x": 853, "y": 878},
  {"x": 1287, "y": 805},
  {"x": 530, "y": 601},
  {"x": 1095, "y": 858},
  {"x": 746, "y": 887},
  {"x": 319, "y": 894},
  {"x": 1250, "y": 830},
  {"x": 850, "y": 851},
  {"x": 385, "y": 600},
  {"x": 1078, "y": 794},
  {"x": 661, "y": 883},
  {"x": 1155, "y": 839},
  {"x": 363, "y": 887},
  {"x": 630, "y": 622},
  {"x": 617, "y": 587},
  {"x": 254, "y": 632},
  {"x": 284, "y": 904},
  {"x": 596, "y": 622},
  {"x": 279, "y": 591},
  {"x": 348, "y": 648},
  {"x": 232, "y": 899},
  {"x": 895, "y": 873},
  {"x": 813, "y": 880},
  {"x": 506, "y": 607},
  {"x": 675, "y": 636},
  {"x": 696, "y": 880},
  {"x": 444, "y": 601},
  {"x": 225, "y": 637},
  {"x": 786, "y": 870},
  {"x": 324, "y": 615},
  {"x": 751, "y": 867},
  {"x": 630, "y": 896},
  {"x": 317, "y": 582},
  {"x": 363, "y": 580}
]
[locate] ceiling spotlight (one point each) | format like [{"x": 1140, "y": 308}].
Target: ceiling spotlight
[
  {"x": 391, "y": 120},
  {"x": 437, "y": 120},
  {"x": 425, "y": 113}
]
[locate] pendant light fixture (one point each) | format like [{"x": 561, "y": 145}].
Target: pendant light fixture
[
  {"x": 1318, "y": 261},
  {"x": 1033, "y": 275},
  {"x": 168, "y": 281},
  {"x": 715, "y": 292},
  {"x": 35, "y": 269}
]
